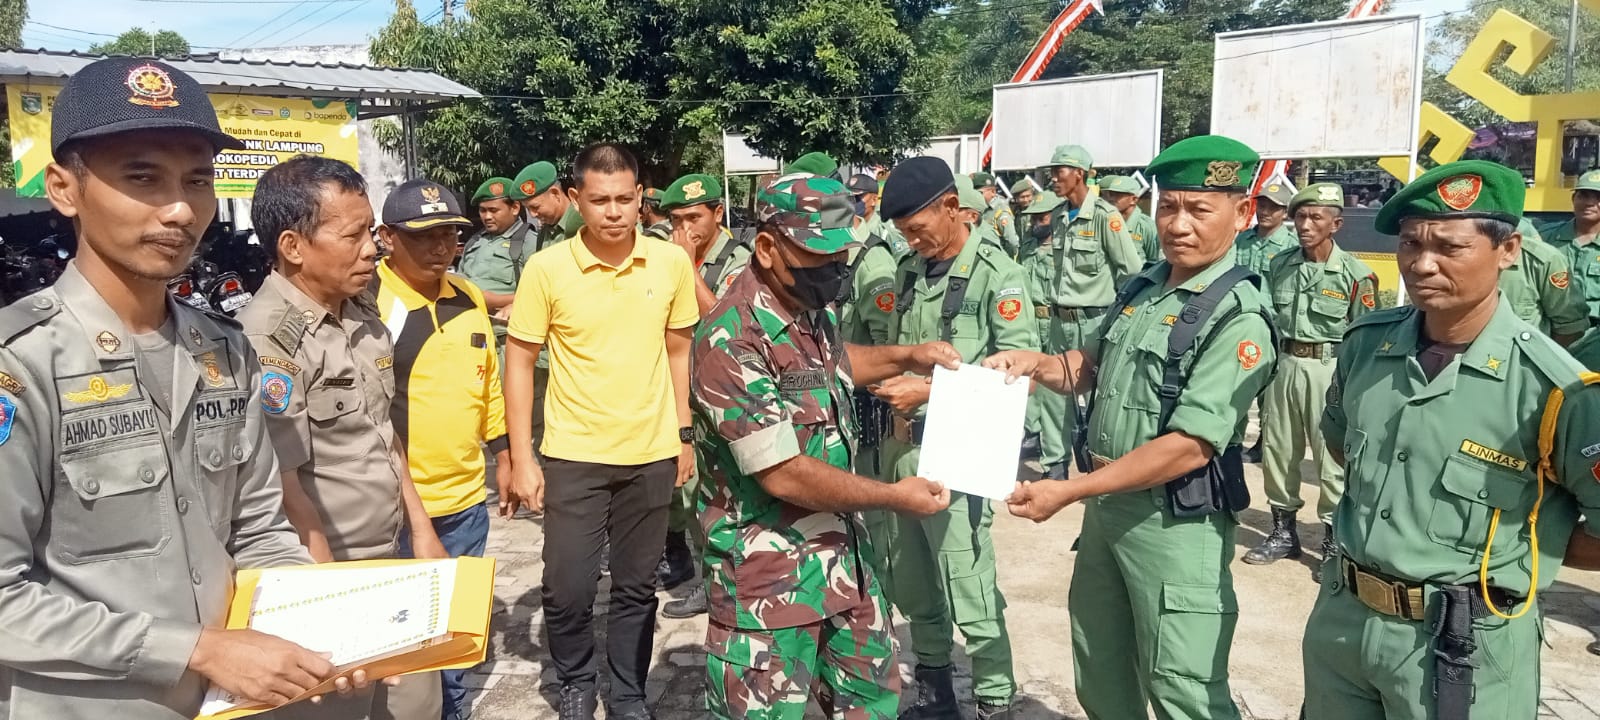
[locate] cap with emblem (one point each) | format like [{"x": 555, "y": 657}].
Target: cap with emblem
[
  {"x": 913, "y": 184},
  {"x": 1075, "y": 156},
  {"x": 1276, "y": 192},
  {"x": 1021, "y": 186},
  {"x": 495, "y": 188},
  {"x": 652, "y": 197},
  {"x": 815, "y": 213},
  {"x": 1042, "y": 203},
  {"x": 124, "y": 94},
  {"x": 968, "y": 195},
  {"x": 862, "y": 184},
  {"x": 533, "y": 179},
  {"x": 1205, "y": 163},
  {"x": 1462, "y": 189},
  {"x": 696, "y": 189},
  {"x": 421, "y": 204},
  {"x": 981, "y": 180},
  {"x": 815, "y": 163},
  {"x": 1319, "y": 194},
  {"x": 1589, "y": 181},
  {"x": 1121, "y": 184}
]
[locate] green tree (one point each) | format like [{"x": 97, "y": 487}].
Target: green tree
[
  {"x": 13, "y": 15},
  {"x": 138, "y": 41}
]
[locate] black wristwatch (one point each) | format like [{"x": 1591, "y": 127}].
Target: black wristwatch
[{"x": 686, "y": 435}]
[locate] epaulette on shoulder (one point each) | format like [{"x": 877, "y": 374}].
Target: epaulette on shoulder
[
  {"x": 1381, "y": 317},
  {"x": 222, "y": 319},
  {"x": 25, "y": 313},
  {"x": 289, "y": 331},
  {"x": 1556, "y": 364}
]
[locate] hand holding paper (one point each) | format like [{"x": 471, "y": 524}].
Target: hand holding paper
[{"x": 973, "y": 437}]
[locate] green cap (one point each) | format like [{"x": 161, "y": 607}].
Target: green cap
[
  {"x": 1075, "y": 156},
  {"x": 534, "y": 179},
  {"x": 816, "y": 213},
  {"x": 1589, "y": 181},
  {"x": 652, "y": 196},
  {"x": 982, "y": 180},
  {"x": 1021, "y": 186},
  {"x": 1279, "y": 193},
  {"x": 495, "y": 188},
  {"x": 969, "y": 196},
  {"x": 1042, "y": 203},
  {"x": 689, "y": 190},
  {"x": 1319, "y": 194},
  {"x": 812, "y": 162},
  {"x": 1462, "y": 189},
  {"x": 1206, "y": 163},
  {"x": 1121, "y": 184}
]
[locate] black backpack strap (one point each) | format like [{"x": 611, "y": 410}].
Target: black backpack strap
[
  {"x": 517, "y": 242},
  {"x": 1186, "y": 330}
]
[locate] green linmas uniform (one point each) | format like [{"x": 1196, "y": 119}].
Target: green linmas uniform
[
  {"x": 1037, "y": 267},
  {"x": 1539, "y": 288},
  {"x": 1002, "y": 223},
  {"x": 1255, "y": 251},
  {"x": 941, "y": 569},
  {"x": 1312, "y": 304},
  {"x": 1151, "y": 601},
  {"x": 864, "y": 316},
  {"x": 1429, "y": 463},
  {"x": 1583, "y": 255},
  {"x": 1142, "y": 228}
]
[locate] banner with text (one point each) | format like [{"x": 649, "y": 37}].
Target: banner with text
[{"x": 273, "y": 130}]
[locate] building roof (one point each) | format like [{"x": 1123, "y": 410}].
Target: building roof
[{"x": 381, "y": 90}]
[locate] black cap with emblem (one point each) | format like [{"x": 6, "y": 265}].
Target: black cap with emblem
[
  {"x": 421, "y": 204},
  {"x": 122, "y": 94}
]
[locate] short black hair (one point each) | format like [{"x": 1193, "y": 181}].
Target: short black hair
[
  {"x": 603, "y": 158},
  {"x": 1498, "y": 231},
  {"x": 70, "y": 156},
  {"x": 508, "y": 201},
  {"x": 290, "y": 195}
]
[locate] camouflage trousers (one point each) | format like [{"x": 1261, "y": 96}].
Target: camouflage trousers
[{"x": 769, "y": 674}]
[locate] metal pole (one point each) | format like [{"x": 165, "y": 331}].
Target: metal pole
[
  {"x": 408, "y": 150},
  {"x": 1572, "y": 44}
]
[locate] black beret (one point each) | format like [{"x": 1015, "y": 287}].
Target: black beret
[
  {"x": 124, "y": 94},
  {"x": 913, "y": 184}
]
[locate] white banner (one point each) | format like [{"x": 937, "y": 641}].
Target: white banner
[{"x": 1031, "y": 119}]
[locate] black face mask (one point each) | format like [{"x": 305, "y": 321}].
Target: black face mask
[
  {"x": 1040, "y": 232},
  {"x": 815, "y": 287}
]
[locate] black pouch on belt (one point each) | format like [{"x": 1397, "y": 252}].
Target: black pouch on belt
[{"x": 1453, "y": 646}]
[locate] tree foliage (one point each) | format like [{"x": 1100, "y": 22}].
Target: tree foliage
[
  {"x": 13, "y": 15},
  {"x": 138, "y": 41}
]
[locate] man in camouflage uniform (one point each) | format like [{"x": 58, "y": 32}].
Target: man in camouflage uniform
[
  {"x": 795, "y": 604},
  {"x": 997, "y": 212}
]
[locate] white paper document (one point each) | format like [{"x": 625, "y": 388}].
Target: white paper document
[{"x": 973, "y": 437}]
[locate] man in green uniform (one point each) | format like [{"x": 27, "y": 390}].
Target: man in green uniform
[
  {"x": 493, "y": 257},
  {"x": 1578, "y": 239},
  {"x": 794, "y": 604},
  {"x": 1038, "y": 266},
  {"x": 546, "y": 201},
  {"x": 1151, "y": 600},
  {"x": 1538, "y": 286},
  {"x": 1316, "y": 293},
  {"x": 1093, "y": 255},
  {"x": 963, "y": 290},
  {"x": 971, "y": 207},
  {"x": 653, "y": 220},
  {"x": 997, "y": 212},
  {"x": 1469, "y": 440},
  {"x": 1124, "y": 193},
  {"x": 1255, "y": 248},
  {"x": 1022, "y": 193}
]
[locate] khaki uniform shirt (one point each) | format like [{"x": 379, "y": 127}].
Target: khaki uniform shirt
[
  {"x": 1315, "y": 302},
  {"x": 489, "y": 263},
  {"x": 1539, "y": 288},
  {"x": 121, "y": 523},
  {"x": 1256, "y": 251},
  {"x": 326, "y": 387},
  {"x": 1583, "y": 255},
  {"x": 1094, "y": 254}
]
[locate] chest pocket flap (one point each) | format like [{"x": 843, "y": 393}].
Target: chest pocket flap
[
  {"x": 1468, "y": 494},
  {"x": 325, "y": 404},
  {"x": 115, "y": 509},
  {"x": 1330, "y": 307}
]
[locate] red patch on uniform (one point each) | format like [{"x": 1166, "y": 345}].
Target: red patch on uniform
[
  {"x": 1368, "y": 300},
  {"x": 1116, "y": 225},
  {"x": 1009, "y": 308},
  {"x": 1249, "y": 354},
  {"x": 1595, "y": 471},
  {"x": 528, "y": 187},
  {"x": 1461, "y": 191},
  {"x": 1560, "y": 280},
  {"x": 885, "y": 302}
]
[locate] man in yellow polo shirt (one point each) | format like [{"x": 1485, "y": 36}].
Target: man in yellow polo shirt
[
  {"x": 447, "y": 379},
  {"x": 617, "y": 310}
]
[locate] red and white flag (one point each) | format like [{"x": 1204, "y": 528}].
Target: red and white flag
[{"x": 1033, "y": 66}]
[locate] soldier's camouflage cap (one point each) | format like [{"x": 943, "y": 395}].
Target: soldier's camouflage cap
[
  {"x": 1042, "y": 203},
  {"x": 1589, "y": 181},
  {"x": 1205, "y": 163},
  {"x": 968, "y": 195},
  {"x": 1121, "y": 184},
  {"x": 1277, "y": 192},
  {"x": 982, "y": 180},
  {"x": 816, "y": 213},
  {"x": 1319, "y": 194},
  {"x": 1074, "y": 156},
  {"x": 816, "y": 163},
  {"x": 533, "y": 179},
  {"x": 1462, "y": 189},
  {"x": 1021, "y": 186},
  {"x": 696, "y": 189},
  {"x": 495, "y": 188}
]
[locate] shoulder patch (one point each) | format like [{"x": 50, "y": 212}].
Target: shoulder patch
[
  {"x": 8, "y": 417},
  {"x": 276, "y": 389},
  {"x": 1560, "y": 280},
  {"x": 26, "y": 313},
  {"x": 290, "y": 331}
]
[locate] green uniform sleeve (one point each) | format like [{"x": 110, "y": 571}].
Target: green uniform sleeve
[
  {"x": 1364, "y": 296},
  {"x": 1563, "y": 308},
  {"x": 1125, "y": 257},
  {"x": 1229, "y": 371},
  {"x": 1010, "y": 311},
  {"x": 876, "y": 300},
  {"x": 1006, "y": 226},
  {"x": 1575, "y": 457}
]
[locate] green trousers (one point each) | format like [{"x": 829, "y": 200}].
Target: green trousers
[
  {"x": 1153, "y": 611},
  {"x": 941, "y": 574},
  {"x": 1291, "y": 417},
  {"x": 1055, "y": 410},
  {"x": 1364, "y": 665}
]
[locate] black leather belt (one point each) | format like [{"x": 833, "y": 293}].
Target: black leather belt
[
  {"x": 1312, "y": 351},
  {"x": 1074, "y": 314}
]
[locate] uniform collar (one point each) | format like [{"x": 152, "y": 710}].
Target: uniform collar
[
  {"x": 517, "y": 228},
  {"x": 1334, "y": 264},
  {"x": 1488, "y": 353},
  {"x": 1163, "y": 272},
  {"x": 587, "y": 260},
  {"x": 106, "y": 333},
  {"x": 963, "y": 261},
  {"x": 401, "y": 289},
  {"x": 724, "y": 236},
  {"x": 309, "y": 310}
]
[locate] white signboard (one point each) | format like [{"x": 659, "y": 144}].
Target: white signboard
[
  {"x": 1343, "y": 88},
  {"x": 738, "y": 158},
  {"x": 960, "y": 151},
  {"x": 1031, "y": 119}
]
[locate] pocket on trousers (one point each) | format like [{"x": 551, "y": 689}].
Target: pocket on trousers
[
  {"x": 1195, "y": 630},
  {"x": 971, "y": 600},
  {"x": 742, "y": 648}
]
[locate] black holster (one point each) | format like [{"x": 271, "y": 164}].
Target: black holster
[
  {"x": 1453, "y": 646},
  {"x": 872, "y": 417},
  {"x": 1218, "y": 486},
  {"x": 1080, "y": 446}
]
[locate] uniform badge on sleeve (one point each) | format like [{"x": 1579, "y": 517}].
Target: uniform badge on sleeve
[
  {"x": 1369, "y": 301},
  {"x": 276, "y": 389},
  {"x": 8, "y": 415},
  {"x": 885, "y": 301},
  {"x": 1249, "y": 354},
  {"x": 1009, "y": 308},
  {"x": 1560, "y": 280}
]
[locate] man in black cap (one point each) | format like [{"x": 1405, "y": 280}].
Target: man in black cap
[{"x": 138, "y": 473}]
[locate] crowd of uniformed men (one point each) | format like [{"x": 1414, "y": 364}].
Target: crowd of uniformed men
[{"x": 652, "y": 382}]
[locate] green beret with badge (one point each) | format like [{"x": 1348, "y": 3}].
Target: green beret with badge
[
  {"x": 696, "y": 189},
  {"x": 1073, "y": 156},
  {"x": 1589, "y": 181},
  {"x": 495, "y": 188},
  {"x": 1121, "y": 184},
  {"x": 817, "y": 214},
  {"x": 533, "y": 179},
  {"x": 815, "y": 163},
  {"x": 1319, "y": 195},
  {"x": 1462, "y": 189},
  {"x": 1206, "y": 163}
]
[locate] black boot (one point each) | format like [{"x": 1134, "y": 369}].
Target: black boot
[
  {"x": 1282, "y": 542},
  {"x": 1252, "y": 454},
  {"x": 936, "y": 695},
  {"x": 677, "y": 563},
  {"x": 688, "y": 607},
  {"x": 1329, "y": 550},
  {"x": 577, "y": 703},
  {"x": 1030, "y": 446},
  {"x": 987, "y": 711}
]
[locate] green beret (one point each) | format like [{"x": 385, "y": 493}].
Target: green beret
[
  {"x": 1279, "y": 193},
  {"x": 816, "y": 163},
  {"x": 1462, "y": 189},
  {"x": 1074, "y": 156},
  {"x": 495, "y": 188},
  {"x": 982, "y": 180},
  {"x": 1021, "y": 186},
  {"x": 689, "y": 190},
  {"x": 1319, "y": 194},
  {"x": 969, "y": 196},
  {"x": 1042, "y": 203},
  {"x": 1206, "y": 163},
  {"x": 1121, "y": 184},
  {"x": 652, "y": 196},
  {"x": 1589, "y": 181},
  {"x": 534, "y": 179}
]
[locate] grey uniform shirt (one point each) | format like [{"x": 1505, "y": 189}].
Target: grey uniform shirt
[
  {"x": 121, "y": 525},
  {"x": 326, "y": 387}
]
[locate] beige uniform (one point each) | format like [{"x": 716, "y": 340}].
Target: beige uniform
[{"x": 121, "y": 522}]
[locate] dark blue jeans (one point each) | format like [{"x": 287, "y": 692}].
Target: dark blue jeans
[{"x": 464, "y": 533}]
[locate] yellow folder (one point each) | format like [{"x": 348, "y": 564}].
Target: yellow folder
[{"x": 471, "y": 604}]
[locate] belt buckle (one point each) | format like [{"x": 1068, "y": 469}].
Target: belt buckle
[
  {"x": 1376, "y": 593},
  {"x": 1301, "y": 350},
  {"x": 1041, "y": 311},
  {"x": 900, "y": 429}
]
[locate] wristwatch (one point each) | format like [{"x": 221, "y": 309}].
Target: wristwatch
[{"x": 686, "y": 435}]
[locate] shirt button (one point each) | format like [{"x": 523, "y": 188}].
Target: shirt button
[
  {"x": 215, "y": 457},
  {"x": 1525, "y": 336},
  {"x": 42, "y": 303},
  {"x": 146, "y": 474},
  {"x": 92, "y": 487},
  {"x": 238, "y": 453},
  {"x": 183, "y": 506},
  {"x": 194, "y": 575},
  {"x": 1483, "y": 494},
  {"x": 338, "y": 406},
  {"x": 1385, "y": 514},
  {"x": 1402, "y": 456}
]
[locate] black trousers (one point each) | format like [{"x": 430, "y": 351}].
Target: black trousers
[{"x": 584, "y": 502}]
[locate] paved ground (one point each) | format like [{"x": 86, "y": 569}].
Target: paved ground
[{"x": 1035, "y": 566}]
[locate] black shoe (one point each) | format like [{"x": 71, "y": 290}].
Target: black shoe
[
  {"x": 936, "y": 695},
  {"x": 688, "y": 607},
  {"x": 1329, "y": 551},
  {"x": 677, "y": 563},
  {"x": 1283, "y": 542},
  {"x": 987, "y": 711},
  {"x": 639, "y": 713},
  {"x": 577, "y": 703},
  {"x": 1057, "y": 471},
  {"x": 1253, "y": 454},
  {"x": 1030, "y": 446}
]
